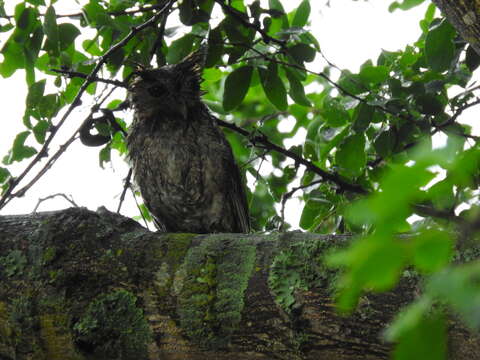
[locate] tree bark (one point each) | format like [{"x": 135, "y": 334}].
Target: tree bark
[
  {"x": 464, "y": 15},
  {"x": 77, "y": 284}
]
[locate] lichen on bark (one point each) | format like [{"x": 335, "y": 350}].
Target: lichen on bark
[{"x": 211, "y": 300}]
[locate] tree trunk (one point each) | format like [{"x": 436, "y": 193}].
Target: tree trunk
[
  {"x": 464, "y": 15},
  {"x": 78, "y": 284}
]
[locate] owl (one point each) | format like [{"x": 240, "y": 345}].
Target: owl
[{"x": 182, "y": 162}]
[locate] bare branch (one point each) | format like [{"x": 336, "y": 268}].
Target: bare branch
[
  {"x": 126, "y": 185},
  {"x": 40, "y": 200}
]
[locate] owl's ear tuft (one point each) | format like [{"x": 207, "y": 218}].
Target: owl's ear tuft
[
  {"x": 195, "y": 62},
  {"x": 146, "y": 75}
]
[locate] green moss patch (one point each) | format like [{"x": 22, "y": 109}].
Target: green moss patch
[
  {"x": 211, "y": 299},
  {"x": 299, "y": 267},
  {"x": 114, "y": 327}
]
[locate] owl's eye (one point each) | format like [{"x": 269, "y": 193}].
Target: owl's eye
[{"x": 157, "y": 90}]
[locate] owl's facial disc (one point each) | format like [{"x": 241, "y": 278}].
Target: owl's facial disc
[{"x": 157, "y": 90}]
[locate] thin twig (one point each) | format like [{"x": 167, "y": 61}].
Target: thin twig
[
  {"x": 90, "y": 78},
  {"x": 138, "y": 206},
  {"x": 240, "y": 17},
  {"x": 288, "y": 195},
  {"x": 455, "y": 116},
  {"x": 126, "y": 185},
  {"x": 72, "y": 74},
  {"x": 262, "y": 139},
  {"x": 161, "y": 32},
  {"x": 429, "y": 210},
  {"x": 40, "y": 200}
]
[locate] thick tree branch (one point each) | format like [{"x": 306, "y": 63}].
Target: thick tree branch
[{"x": 197, "y": 297}]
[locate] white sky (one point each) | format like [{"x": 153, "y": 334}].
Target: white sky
[{"x": 349, "y": 32}]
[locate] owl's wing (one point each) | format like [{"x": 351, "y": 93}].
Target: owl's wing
[{"x": 234, "y": 186}]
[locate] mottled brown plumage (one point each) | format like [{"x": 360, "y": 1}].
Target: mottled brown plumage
[{"x": 181, "y": 160}]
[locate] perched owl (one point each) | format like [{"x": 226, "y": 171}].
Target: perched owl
[{"x": 181, "y": 160}]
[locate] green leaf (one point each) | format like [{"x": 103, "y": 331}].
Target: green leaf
[
  {"x": 327, "y": 143},
  {"x": 180, "y": 48},
  {"x": 215, "y": 47},
  {"x": 472, "y": 59},
  {"x": 4, "y": 175},
  {"x": 429, "y": 104},
  {"x": 276, "y": 5},
  {"x": 439, "y": 46},
  {"x": 432, "y": 250},
  {"x": 442, "y": 195},
  {"x": 35, "y": 94},
  {"x": 405, "y": 5},
  {"x": 427, "y": 340},
  {"x": 237, "y": 84},
  {"x": 13, "y": 54},
  {"x": 145, "y": 213},
  {"x": 459, "y": 287},
  {"x": 362, "y": 117},
  {"x": 37, "y": 2},
  {"x": 32, "y": 49},
  {"x": 238, "y": 4},
  {"x": 278, "y": 20},
  {"x": 91, "y": 46},
  {"x": 40, "y": 131},
  {"x": 186, "y": 12},
  {"x": 19, "y": 151},
  {"x": 374, "y": 74},
  {"x": 301, "y": 14},
  {"x": 94, "y": 11},
  {"x": 334, "y": 112},
  {"x": 104, "y": 155},
  {"x": 50, "y": 28},
  {"x": 312, "y": 209},
  {"x": 273, "y": 87},
  {"x": 296, "y": 91},
  {"x": 352, "y": 83},
  {"x": 21, "y": 15},
  {"x": 302, "y": 53},
  {"x": 309, "y": 147},
  {"x": 212, "y": 74},
  {"x": 68, "y": 33},
  {"x": 384, "y": 143},
  {"x": 408, "y": 319},
  {"x": 48, "y": 106},
  {"x": 350, "y": 156},
  {"x": 374, "y": 263}
]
